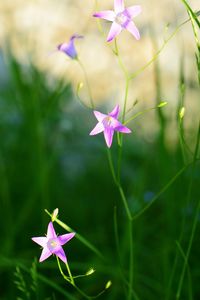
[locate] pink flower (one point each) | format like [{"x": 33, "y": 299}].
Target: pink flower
[
  {"x": 121, "y": 18},
  {"x": 52, "y": 244},
  {"x": 69, "y": 48},
  {"x": 108, "y": 124}
]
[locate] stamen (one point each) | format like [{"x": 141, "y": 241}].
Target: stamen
[
  {"x": 121, "y": 18},
  {"x": 52, "y": 244},
  {"x": 108, "y": 121}
]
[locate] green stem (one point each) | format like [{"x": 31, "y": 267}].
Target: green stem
[
  {"x": 70, "y": 274},
  {"x": 193, "y": 163},
  {"x": 188, "y": 252},
  {"x": 112, "y": 169},
  {"x": 121, "y": 191},
  {"x": 195, "y": 219},
  {"x": 130, "y": 260},
  {"x": 189, "y": 274},
  {"x": 87, "y": 82},
  {"x": 128, "y": 213},
  {"x": 119, "y": 160},
  {"x": 136, "y": 73},
  {"x": 171, "y": 181},
  {"x": 125, "y": 99},
  {"x": 123, "y": 68},
  {"x": 117, "y": 183},
  {"x": 61, "y": 271},
  {"x": 71, "y": 280},
  {"x": 139, "y": 114},
  {"x": 78, "y": 236}
]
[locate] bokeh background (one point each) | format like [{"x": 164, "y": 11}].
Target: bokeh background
[{"x": 48, "y": 159}]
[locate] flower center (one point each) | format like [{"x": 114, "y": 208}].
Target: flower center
[
  {"x": 108, "y": 121},
  {"x": 121, "y": 18},
  {"x": 53, "y": 244}
]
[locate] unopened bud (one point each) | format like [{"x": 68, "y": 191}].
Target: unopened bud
[
  {"x": 54, "y": 214},
  {"x": 108, "y": 284},
  {"x": 90, "y": 272},
  {"x": 161, "y": 104},
  {"x": 182, "y": 112}
]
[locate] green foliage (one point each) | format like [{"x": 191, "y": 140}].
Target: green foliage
[
  {"x": 47, "y": 160},
  {"x": 21, "y": 284}
]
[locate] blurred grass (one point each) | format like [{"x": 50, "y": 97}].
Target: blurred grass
[{"x": 47, "y": 160}]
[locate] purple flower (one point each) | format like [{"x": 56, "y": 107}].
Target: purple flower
[
  {"x": 52, "y": 244},
  {"x": 121, "y": 18},
  {"x": 69, "y": 48},
  {"x": 108, "y": 124}
]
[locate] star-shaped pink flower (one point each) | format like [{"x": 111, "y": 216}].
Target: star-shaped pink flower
[
  {"x": 121, "y": 18},
  {"x": 108, "y": 124},
  {"x": 52, "y": 244}
]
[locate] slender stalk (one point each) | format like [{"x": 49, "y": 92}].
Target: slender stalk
[
  {"x": 123, "y": 68},
  {"x": 121, "y": 191},
  {"x": 125, "y": 98},
  {"x": 71, "y": 279},
  {"x": 131, "y": 260},
  {"x": 139, "y": 114},
  {"x": 171, "y": 181},
  {"x": 188, "y": 252},
  {"x": 61, "y": 271},
  {"x": 78, "y": 236},
  {"x": 128, "y": 213},
  {"x": 189, "y": 274},
  {"x": 195, "y": 219},
  {"x": 110, "y": 161},
  {"x": 87, "y": 82},
  {"x": 70, "y": 274},
  {"x": 156, "y": 55},
  {"x": 129, "y": 217}
]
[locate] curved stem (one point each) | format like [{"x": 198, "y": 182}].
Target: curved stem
[
  {"x": 62, "y": 273},
  {"x": 195, "y": 219},
  {"x": 70, "y": 274},
  {"x": 130, "y": 260},
  {"x": 171, "y": 181},
  {"x": 140, "y": 70},
  {"x": 78, "y": 236},
  {"x": 124, "y": 200},
  {"x": 87, "y": 82}
]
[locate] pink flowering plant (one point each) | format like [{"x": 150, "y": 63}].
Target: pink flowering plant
[
  {"x": 107, "y": 123},
  {"x": 52, "y": 244},
  {"x": 121, "y": 18},
  {"x": 69, "y": 48},
  {"x": 113, "y": 128}
]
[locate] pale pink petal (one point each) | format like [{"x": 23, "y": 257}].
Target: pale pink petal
[
  {"x": 119, "y": 6},
  {"x": 50, "y": 231},
  {"x": 45, "y": 254},
  {"x": 63, "y": 239},
  {"x": 119, "y": 127},
  {"x": 61, "y": 255},
  {"x": 42, "y": 241},
  {"x": 106, "y": 14},
  {"x": 115, "y": 112},
  {"x": 133, "y": 30},
  {"x": 97, "y": 129},
  {"x": 99, "y": 115},
  {"x": 133, "y": 11},
  {"x": 108, "y": 135},
  {"x": 114, "y": 31}
]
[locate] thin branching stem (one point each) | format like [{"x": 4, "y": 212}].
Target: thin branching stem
[{"x": 87, "y": 82}]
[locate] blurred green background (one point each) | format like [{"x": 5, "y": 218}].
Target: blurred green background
[{"x": 48, "y": 160}]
